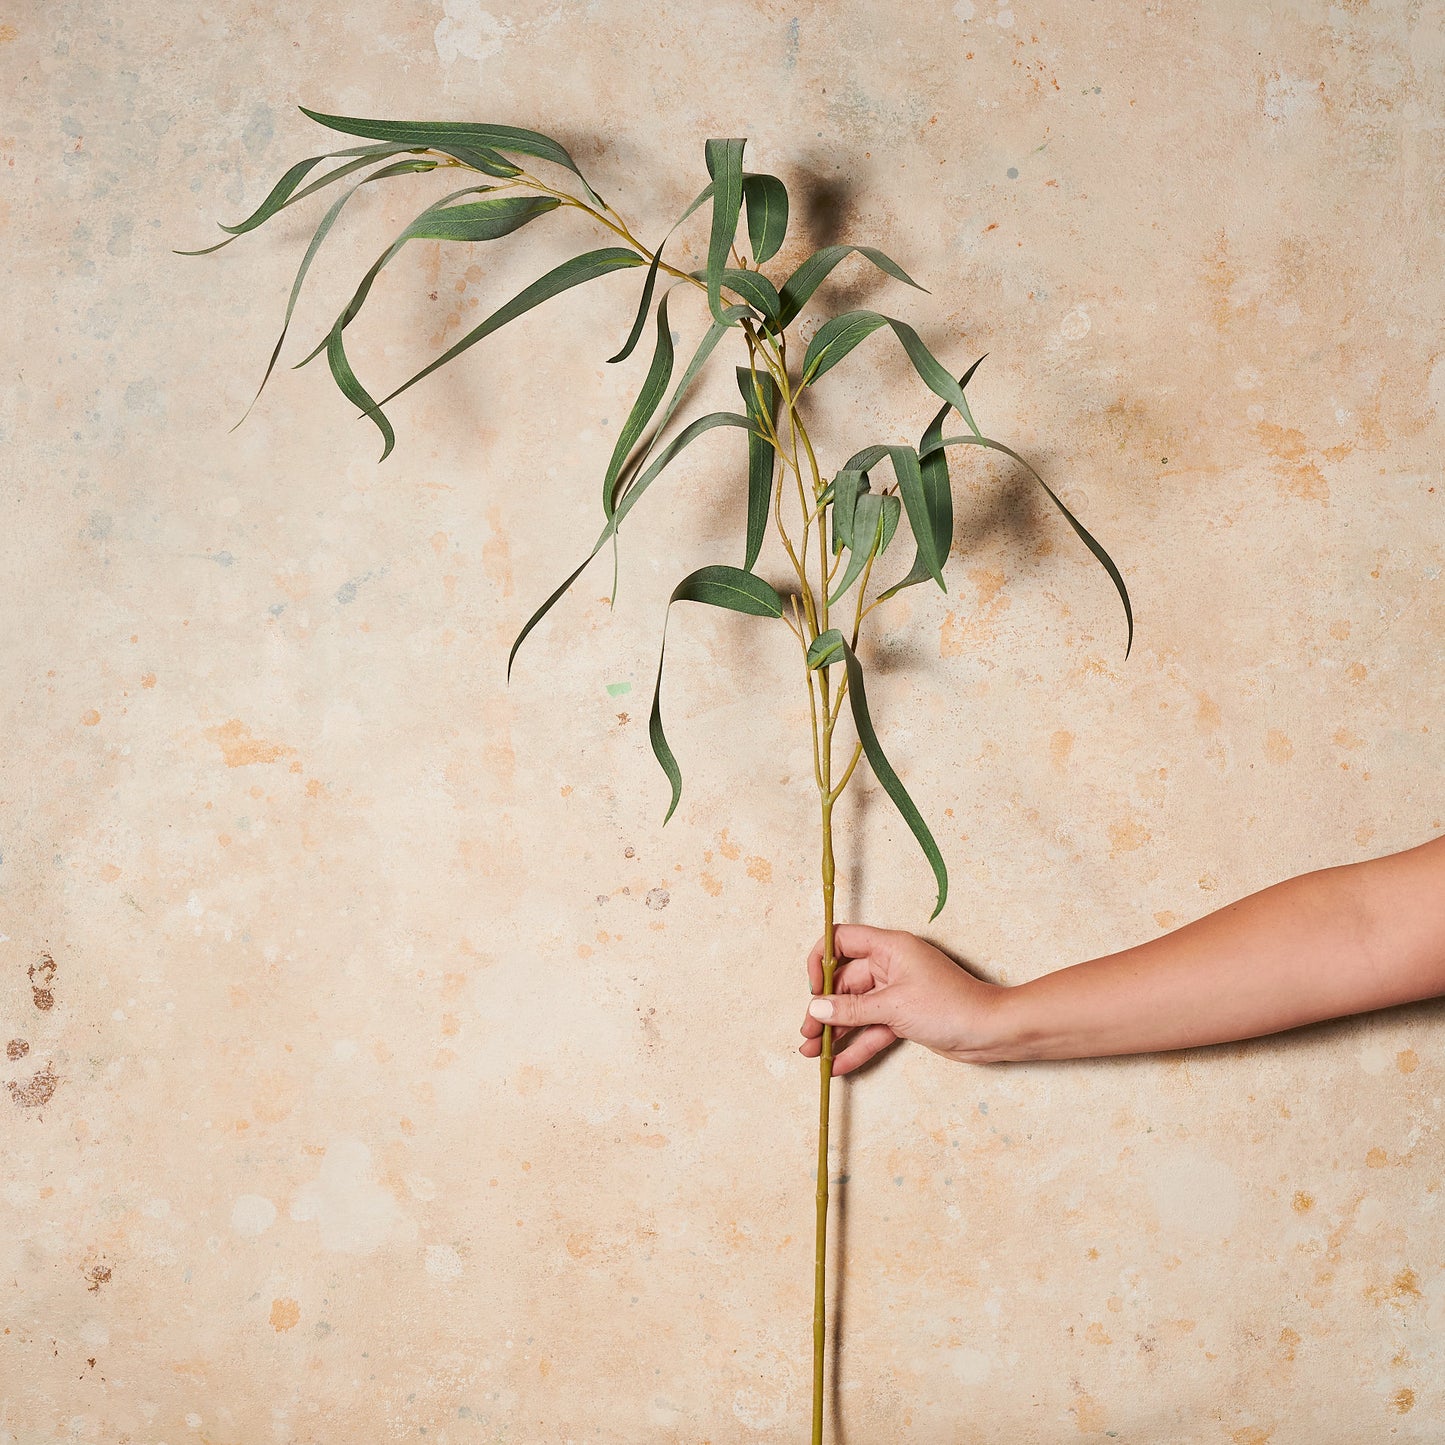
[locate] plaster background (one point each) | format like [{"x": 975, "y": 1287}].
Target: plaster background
[{"x": 408, "y": 1080}]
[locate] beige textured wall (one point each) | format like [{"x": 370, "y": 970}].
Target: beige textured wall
[{"x": 397, "y": 1076}]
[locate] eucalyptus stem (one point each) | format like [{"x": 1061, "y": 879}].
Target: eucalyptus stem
[{"x": 848, "y": 513}]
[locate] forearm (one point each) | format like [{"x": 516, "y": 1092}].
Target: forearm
[{"x": 1340, "y": 941}]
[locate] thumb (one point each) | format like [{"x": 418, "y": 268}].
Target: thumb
[{"x": 850, "y": 1010}]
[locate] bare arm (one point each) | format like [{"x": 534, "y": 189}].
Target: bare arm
[{"x": 1338, "y": 941}]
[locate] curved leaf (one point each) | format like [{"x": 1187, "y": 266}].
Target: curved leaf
[
  {"x": 836, "y": 338},
  {"x": 651, "y": 281},
  {"x": 576, "y": 272},
  {"x": 624, "y": 506},
  {"x": 725, "y": 166},
  {"x": 353, "y": 390},
  {"x": 487, "y": 220},
  {"x": 867, "y": 539},
  {"x": 1103, "y": 558},
  {"x": 284, "y": 192},
  {"x": 705, "y": 348},
  {"x": 766, "y": 198},
  {"x": 827, "y": 648},
  {"x": 799, "y": 287},
  {"x": 761, "y": 456},
  {"x": 481, "y": 158},
  {"x": 443, "y": 135},
  {"x": 659, "y": 373},
  {"x": 327, "y": 221},
  {"x": 845, "y": 489},
  {"x": 755, "y": 289},
  {"x": 363, "y": 288},
  {"x": 727, "y": 587}
]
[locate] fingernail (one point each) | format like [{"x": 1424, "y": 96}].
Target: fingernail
[{"x": 821, "y": 1008}]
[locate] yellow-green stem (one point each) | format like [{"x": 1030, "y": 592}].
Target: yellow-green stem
[{"x": 825, "y": 1080}]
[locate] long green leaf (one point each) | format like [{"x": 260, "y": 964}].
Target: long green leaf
[
  {"x": 705, "y": 348},
  {"x": 284, "y": 194},
  {"x": 353, "y": 390},
  {"x": 766, "y": 198},
  {"x": 442, "y": 135},
  {"x": 576, "y": 272},
  {"x": 327, "y": 221},
  {"x": 845, "y": 489},
  {"x": 827, "y": 648},
  {"x": 836, "y": 338},
  {"x": 363, "y": 288},
  {"x": 930, "y": 514},
  {"x": 1103, "y": 558},
  {"x": 761, "y": 398},
  {"x": 755, "y": 289},
  {"x": 634, "y": 494},
  {"x": 641, "y": 318},
  {"x": 867, "y": 539},
  {"x": 659, "y": 373},
  {"x": 799, "y": 287},
  {"x": 487, "y": 220},
  {"x": 938, "y": 490},
  {"x": 725, "y": 166},
  {"x": 727, "y": 587},
  {"x": 481, "y": 158}
]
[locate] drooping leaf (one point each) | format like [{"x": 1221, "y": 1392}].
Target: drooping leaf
[
  {"x": 1103, "y": 558},
  {"x": 647, "y": 288},
  {"x": 827, "y": 648},
  {"x": 867, "y": 540},
  {"x": 327, "y": 221},
  {"x": 761, "y": 398},
  {"x": 443, "y": 135},
  {"x": 847, "y": 487},
  {"x": 892, "y": 510},
  {"x": 798, "y": 289},
  {"x": 705, "y": 348},
  {"x": 766, "y": 198},
  {"x": 659, "y": 373},
  {"x": 725, "y": 166},
  {"x": 576, "y": 272},
  {"x": 363, "y": 288},
  {"x": 628, "y": 501},
  {"x": 727, "y": 587},
  {"x": 938, "y": 491},
  {"x": 836, "y": 338},
  {"x": 284, "y": 192},
  {"x": 353, "y": 390}
]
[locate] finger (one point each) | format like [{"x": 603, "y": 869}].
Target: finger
[
  {"x": 811, "y": 1048},
  {"x": 850, "y": 1010},
  {"x": 866, "y": 1043},
  {"x": 850, "y": 940},
  {"x": 855, "y": 976}
]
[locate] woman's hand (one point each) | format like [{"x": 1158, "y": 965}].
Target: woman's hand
[{"x": 895, "y": 986}]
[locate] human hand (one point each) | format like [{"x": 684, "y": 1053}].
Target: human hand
[{"x": 895, "y": 986}]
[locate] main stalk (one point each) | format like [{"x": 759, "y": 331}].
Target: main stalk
[{"x": 825, "y": 1081}]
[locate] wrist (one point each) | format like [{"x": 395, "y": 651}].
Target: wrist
[{"x": 1003, "y": 1027}]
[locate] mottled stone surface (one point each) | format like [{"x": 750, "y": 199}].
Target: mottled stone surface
[{"x": 380, "y": 1069}]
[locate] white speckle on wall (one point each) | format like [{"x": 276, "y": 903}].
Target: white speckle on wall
[
  {"x": 467, "y": 32},
  {"x": 353, "y": 1213},
  {"x": 252, "y": 1214}
]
